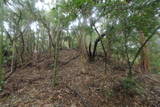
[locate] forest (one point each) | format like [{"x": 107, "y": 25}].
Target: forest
[{"x": 79, "y": 53}]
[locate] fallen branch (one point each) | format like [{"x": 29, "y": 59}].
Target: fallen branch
[
  {"x": 12, "y": 72},
  {"x": 153, "y": 79},
  {"x": 8, "y": 76},
  {"x": 71, "y": 60},
  {"x": 76, "y": 93},
  {"x": 25, "y": 65}
]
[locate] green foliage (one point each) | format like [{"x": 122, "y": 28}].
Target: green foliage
[{"x": 131, "y": 86}]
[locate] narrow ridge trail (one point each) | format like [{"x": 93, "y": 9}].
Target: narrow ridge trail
[{"x": 81, "y": 84}]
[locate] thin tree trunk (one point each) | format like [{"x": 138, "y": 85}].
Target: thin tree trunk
[
  {"x": 22, "y": 51},
  {"x": 1, "y": 60},
  {"x": 56, "y": 58},
  {"x": 144, "y": 60},
  {"x": 13, "y": 57}
]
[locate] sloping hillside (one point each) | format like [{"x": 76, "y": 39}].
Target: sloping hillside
[{"x": 81, "y": 84}]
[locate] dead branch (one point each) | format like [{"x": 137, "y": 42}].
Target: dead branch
[
  {"x": 65, "y": 63},
  {"x": 76, "y": 93}
]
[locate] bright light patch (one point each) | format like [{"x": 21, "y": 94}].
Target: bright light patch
[
  {"x": 6, "y": 25},
  {"x": 34, "y": 26},
  {"x": 46, "y": 5}
]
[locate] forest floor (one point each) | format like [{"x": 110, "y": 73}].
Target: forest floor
[{"x": 81, "y": 84}]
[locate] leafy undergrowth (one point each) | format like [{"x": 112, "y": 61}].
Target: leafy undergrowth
[{"x": 81, "y": 84}]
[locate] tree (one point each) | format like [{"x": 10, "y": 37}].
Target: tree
[{"x": 1, "y": 47}]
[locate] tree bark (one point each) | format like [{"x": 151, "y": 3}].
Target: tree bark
[{"x": 144, "y": 60}]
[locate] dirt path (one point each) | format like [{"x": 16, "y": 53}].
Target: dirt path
[{"x": 80, "y": 85}]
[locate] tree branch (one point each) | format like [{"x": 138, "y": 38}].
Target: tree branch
[{"x": 146, "y": 41}]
